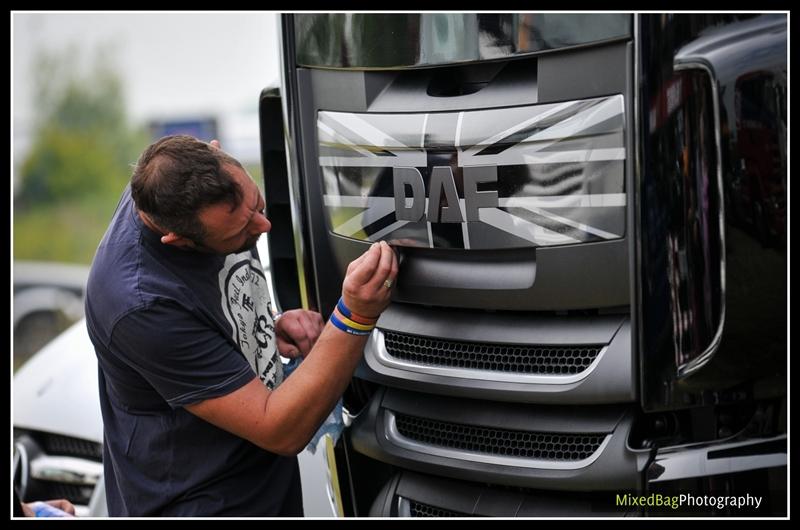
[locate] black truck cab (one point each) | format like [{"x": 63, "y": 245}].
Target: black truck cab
[{"x": 591, "y": 212}]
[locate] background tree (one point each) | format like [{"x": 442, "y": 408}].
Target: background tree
[{"x": 80, "y": 159}]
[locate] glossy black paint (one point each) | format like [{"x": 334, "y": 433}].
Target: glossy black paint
[
  {"x": 357, "y": 40},
  {"x": 283, "y": 261},
  {"x": 306, "y": 291},
  {"x": 697, "y": 275},
  {"x": 707, "y": 146}
]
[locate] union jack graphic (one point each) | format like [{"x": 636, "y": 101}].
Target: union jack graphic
[{"x": 560, "y": 174}]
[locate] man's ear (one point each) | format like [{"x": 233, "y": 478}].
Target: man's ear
[{"x": 178, "y": 241}]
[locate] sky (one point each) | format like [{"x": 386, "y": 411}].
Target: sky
[{"x": 173, "y": 65}]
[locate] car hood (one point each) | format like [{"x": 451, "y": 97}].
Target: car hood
[{"x": 56, "y": 390}]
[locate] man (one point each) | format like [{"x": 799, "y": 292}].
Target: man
[{"x": 197, "y": 418}]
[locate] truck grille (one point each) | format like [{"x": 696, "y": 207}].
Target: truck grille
[
  {"x": 523, "y": 359},
  {"x": 499, "y": 442},
  {"x": 419, "y": 509}
]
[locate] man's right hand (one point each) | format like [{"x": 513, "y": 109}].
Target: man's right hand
[{"x": 364, "y": 290}]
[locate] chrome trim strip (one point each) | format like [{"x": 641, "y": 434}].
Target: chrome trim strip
[
  {"x": 698, "y": 362},
  {"x": 97, "y": 503},
  {"x": 66, "y": 469},
  {"x": 680, "y": 462},
  {"x": 348, "y": 418},
  {"x": 635, "y": 260},
  {"x": 377, "y": 346},
  {"x": 403, "y": 507},
  {"x": 287, "y": 93},
  {"x": 394, "y": 436},
  {"x": 21, "y": 459},
  {"x": 578, "y": 200}
]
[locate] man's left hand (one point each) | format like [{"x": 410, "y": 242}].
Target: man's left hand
[{"x": 297, "y": 331}]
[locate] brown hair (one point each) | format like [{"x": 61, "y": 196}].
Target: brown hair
[{"x": 176, "y": 177}]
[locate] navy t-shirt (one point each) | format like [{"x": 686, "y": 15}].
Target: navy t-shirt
[{"x": 173, "y": 327}]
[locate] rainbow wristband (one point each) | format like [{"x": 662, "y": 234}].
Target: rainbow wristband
[
  {"x": 344, "y": 311},
  {"x": 352, "y": 324},
  {"x": 347, "y": 329}
]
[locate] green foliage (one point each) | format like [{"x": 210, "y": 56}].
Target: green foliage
[
  {"x": 66, "y": 164},
  {"x": 67, "y": 231},
  {"x": 82, "y": 142},
  {"x": 81, "y": 157}
]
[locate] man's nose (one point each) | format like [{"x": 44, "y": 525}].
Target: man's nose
[{"x": 260, "y": 224}]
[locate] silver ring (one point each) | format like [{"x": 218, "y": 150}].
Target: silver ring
[{"x": 388, "y": 284}]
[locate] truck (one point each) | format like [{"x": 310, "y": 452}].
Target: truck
[{"x": 590, "y": 213}]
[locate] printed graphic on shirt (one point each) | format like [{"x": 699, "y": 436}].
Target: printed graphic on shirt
[{"x": 246, "y": 304}]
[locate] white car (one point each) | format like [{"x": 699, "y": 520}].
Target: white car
[
  {"x": 58, "y": 431},
  {"x": 58, "y": 428},
  {"x": 48, "y": 297}
]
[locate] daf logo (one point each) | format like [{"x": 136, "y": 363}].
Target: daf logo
[{"x": 409, "y": 194}]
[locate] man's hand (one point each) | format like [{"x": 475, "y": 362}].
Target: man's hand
[
  {"x": 297, "y": 331},
  {"x": 61, "y": 504},
  {"x": 367, "y": 287}
]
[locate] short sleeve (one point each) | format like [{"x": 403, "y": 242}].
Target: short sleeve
[{"x": 184, "y": 359}]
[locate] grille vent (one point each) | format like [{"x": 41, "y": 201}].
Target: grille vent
[
  {"x": 419, "y": 509},
  {"x": 510, "y": 358},
  {"x": 499, "y": 442}
]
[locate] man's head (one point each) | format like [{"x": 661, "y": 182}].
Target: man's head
[{"x": 198, "y": 196}]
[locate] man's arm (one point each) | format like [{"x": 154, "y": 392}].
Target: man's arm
[{"x": 284, "y": 420}]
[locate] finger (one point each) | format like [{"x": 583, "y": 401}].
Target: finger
[
  {"x": 395, "y": 268},
  {"x": 214, "y": 144},
  {"x": 284, "y": 334},
  {"x": 357, "y": 261},
  {"x": 299, "y": 334},
  {"x": 310, "y": 328},
  {"x": 314, "y": 325},
  {"x": 384, "y": 268},
  {"x": 63, "y": 504},
  {"x": 320, "y": 324},
  {"x": 364, "y": 271},
  {"x": 287, "y": 349}
]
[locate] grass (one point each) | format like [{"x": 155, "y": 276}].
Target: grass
[{"x": 65, "y": 232}]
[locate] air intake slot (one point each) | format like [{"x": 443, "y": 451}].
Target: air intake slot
[
  {"x": 419, "y": 509},
  {"x": 507, "y": 356},
  {"x": 515, "y": 444},
  {"x": 499, "y": 442},
  {"x": 526, "y": 359},
  {"x": 410, "y": 494}
]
